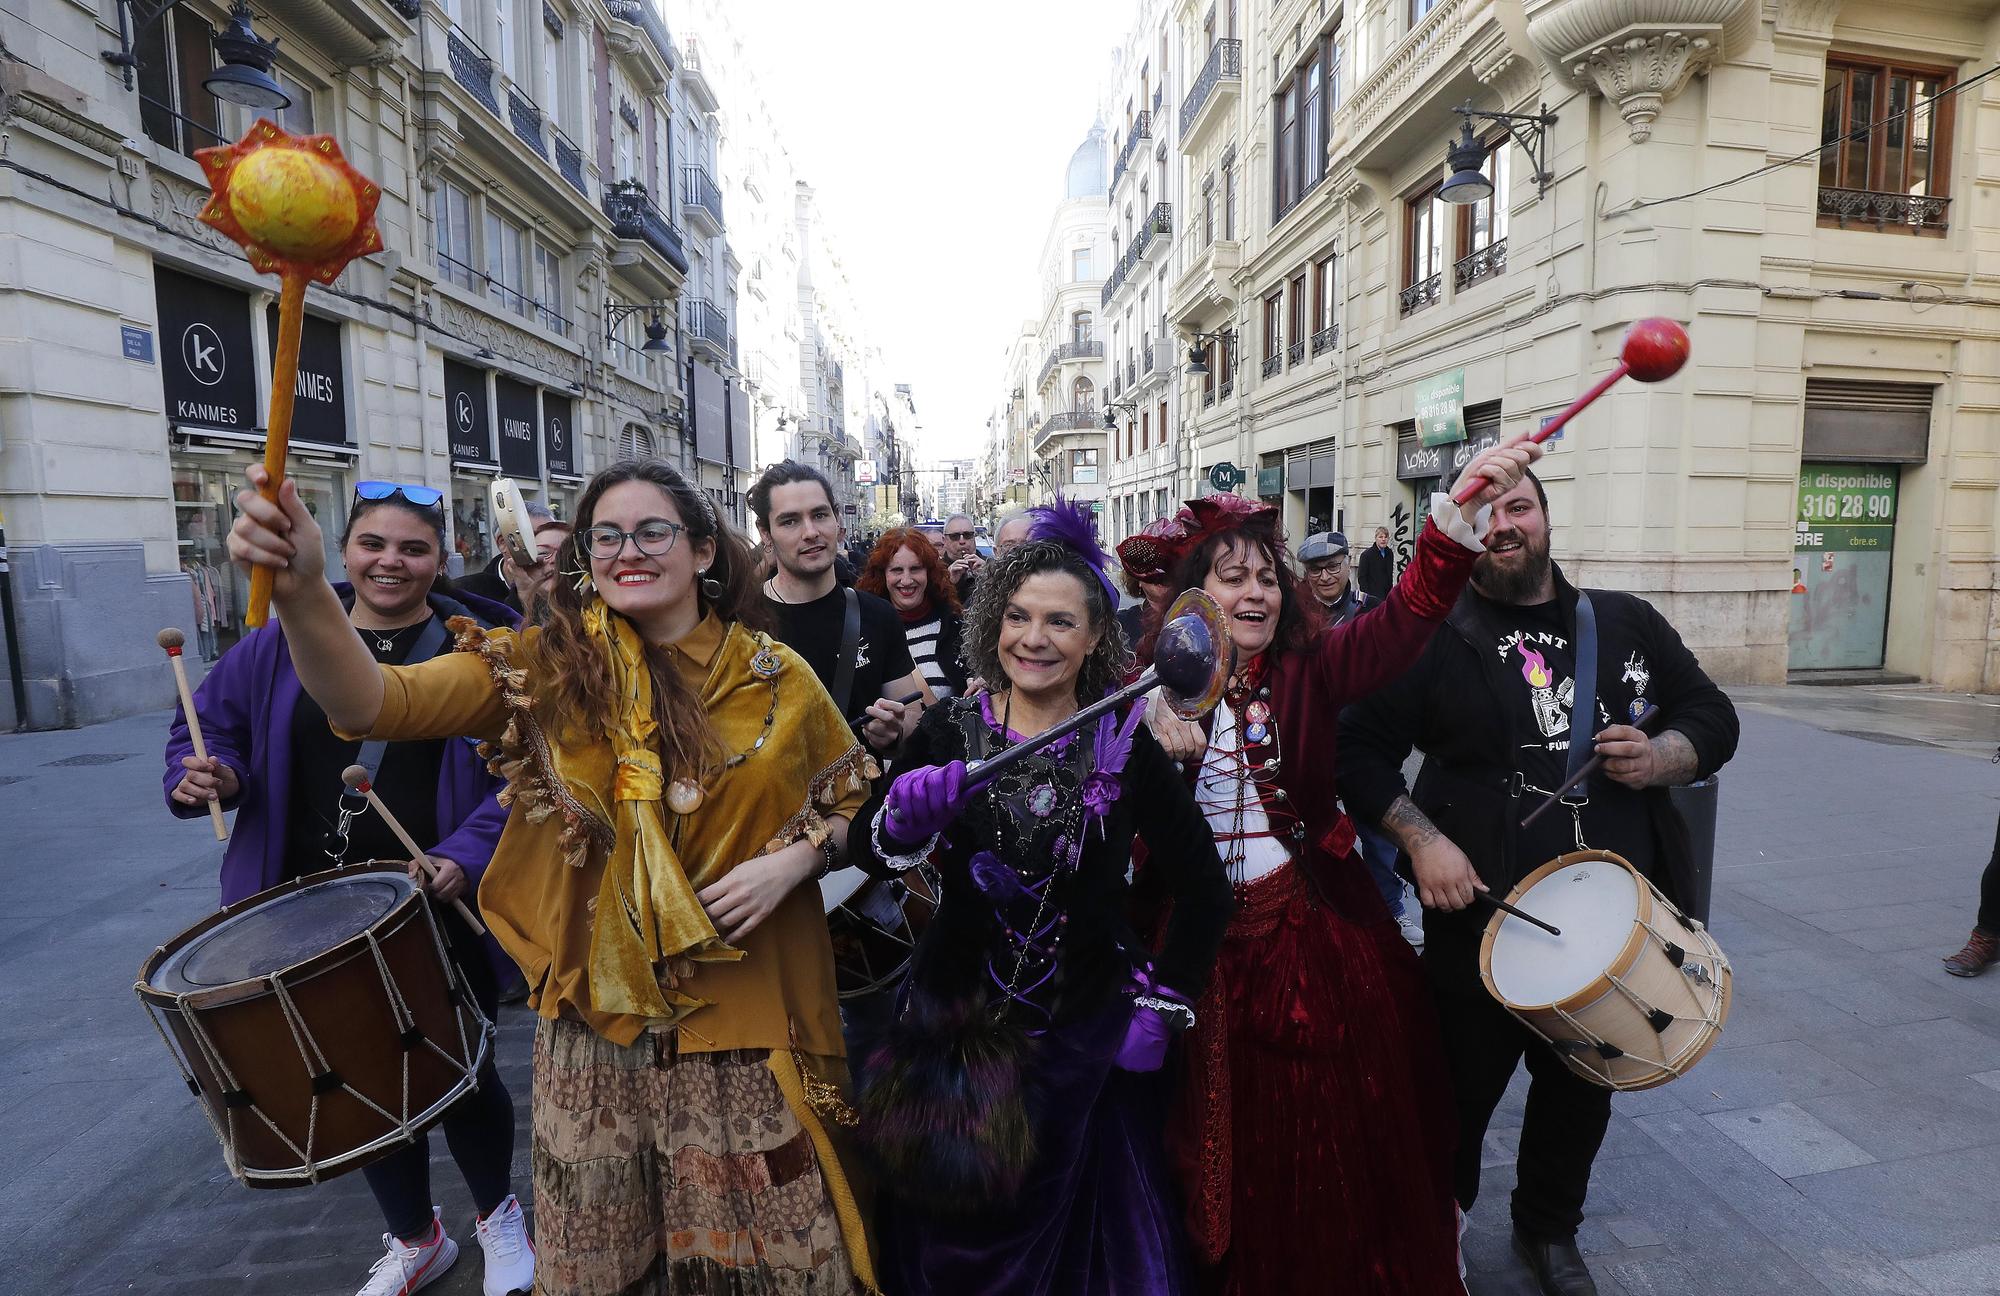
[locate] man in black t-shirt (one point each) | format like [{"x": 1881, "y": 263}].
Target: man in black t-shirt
[
  {"x": 1492, "y": 702},
  {"x": 795, "y": 512}
]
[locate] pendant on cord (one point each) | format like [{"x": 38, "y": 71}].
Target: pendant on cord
[{"x": 684, "y": 796}]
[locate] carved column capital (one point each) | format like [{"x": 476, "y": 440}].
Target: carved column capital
[{"x": 1641, "y": 71}]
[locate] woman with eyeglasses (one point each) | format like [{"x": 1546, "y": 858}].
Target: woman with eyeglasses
[
  {"x": 676, "y": 780},
  {"x": 274, "y": 761}
]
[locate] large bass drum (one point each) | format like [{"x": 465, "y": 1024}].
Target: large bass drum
[
  {"x": 321, "y": 1023},
  {"x": 874, "y": 925}
]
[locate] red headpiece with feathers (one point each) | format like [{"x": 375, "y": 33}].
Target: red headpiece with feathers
[{"x": 1212, "y": 515}]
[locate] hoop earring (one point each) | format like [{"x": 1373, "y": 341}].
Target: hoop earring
[{"x": 711, "y": 588}]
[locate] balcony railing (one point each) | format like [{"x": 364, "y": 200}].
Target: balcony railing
[
  {"x": 1274, "y": 363},
  {"x": 1156, "y": 232},
  {"x": 1296, "y": 352},
  {"x": 569, "y": 161},
  {"x": 1071, "y": 420},
  {"x": 1207, "y": 397},
  {"x": 698, "y": 190},
  {"x": 1915, "y": 212},
  {"x": 1085, "y": 349},
  {"x": 1483, "y": 264},
  {"x": 641, "y": 14},
  {"x": 1225, "y": 63},
  {"x": 707, "y": 323},
  {"x": 1147, "y": 356},
  {"x": 1326, "y": 339},
  {"x": 1142, "y": 129},
  {"x": 471, "y": 68},
  {"x": 1112, "y": 284},
  {"x": 1228, "y": 387},
  {"x": 526, "y": 119},
  {"x": 633, "y": 216},
  {"x": 1420, "y": 294},
  {"x": 1131, "y": 370}
]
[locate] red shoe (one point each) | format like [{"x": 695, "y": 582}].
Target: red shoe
[{"x": 1980, "y": 953}]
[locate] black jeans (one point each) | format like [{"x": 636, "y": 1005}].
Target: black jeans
[
  {"x": 1989, "y": 890},
  {"x": 1566, "y": 1119},
  {"x": 479, "y": 1128}
]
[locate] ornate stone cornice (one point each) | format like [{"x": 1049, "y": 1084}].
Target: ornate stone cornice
[
  {"x": 31, "y": 95},
  {"x": 1639, "y": 53},
  {"x": 472, "y": 325},
  {"x": 1807, "y": 19},
  {"x": 177, "y": 204}
]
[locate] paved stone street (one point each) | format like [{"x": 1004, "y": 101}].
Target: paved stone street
[{"x": 1841, "y": 1139}]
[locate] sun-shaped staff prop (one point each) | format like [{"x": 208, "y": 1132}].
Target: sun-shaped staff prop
[{"x": 301, "y": 213}]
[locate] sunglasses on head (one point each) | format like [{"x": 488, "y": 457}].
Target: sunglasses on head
[{"x": 428, "y": 497}]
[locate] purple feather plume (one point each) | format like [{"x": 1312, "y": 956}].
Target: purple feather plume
[{"x": 1071, "y": 524}]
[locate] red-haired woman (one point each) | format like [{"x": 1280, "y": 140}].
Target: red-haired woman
[
  {"x": 1314, "y": 1131},
  {"x": 906, "y": 569}
]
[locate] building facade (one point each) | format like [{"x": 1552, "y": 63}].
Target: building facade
[
  {"x": 1067, "y": 395},
  {"x": 1814, "y": 492}
]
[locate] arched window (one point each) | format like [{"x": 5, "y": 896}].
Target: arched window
[
  {"x": 1080, "y": 395},
  {"x": 636, "y": 442},
  {"x": 1081, "y": 325}
]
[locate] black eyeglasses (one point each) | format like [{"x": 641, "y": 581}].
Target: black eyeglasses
[
  {"x": 652, "y": 539},
  {"x": 428, "y": 497}
]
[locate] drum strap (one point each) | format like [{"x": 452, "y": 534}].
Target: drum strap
[
  {"x": 850, "y": 643},
  {"x": 431, "y": 638},
  {"x": 1583, "y": 697}
]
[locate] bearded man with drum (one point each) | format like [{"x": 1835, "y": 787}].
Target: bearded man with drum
[{"x": 1490, "y": 703}]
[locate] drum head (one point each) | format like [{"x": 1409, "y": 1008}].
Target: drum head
[
  {"x": 282, "y": 932},
  {"x": 1595, "y": 903}
]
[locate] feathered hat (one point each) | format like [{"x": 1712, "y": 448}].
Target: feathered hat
[{"x": 1070, "y": 524}]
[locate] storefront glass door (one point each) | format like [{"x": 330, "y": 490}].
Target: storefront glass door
[{"x": 1841, "y": 558}]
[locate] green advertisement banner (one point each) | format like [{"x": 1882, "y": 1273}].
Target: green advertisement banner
[
  {"x": 1440, "y": 408},
  {"x": 1846, "y": 507}
]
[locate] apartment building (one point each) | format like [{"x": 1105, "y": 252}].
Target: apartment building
[
  {"x": 1069, "y": 440},
  {"x": 1814, "y": 492}
]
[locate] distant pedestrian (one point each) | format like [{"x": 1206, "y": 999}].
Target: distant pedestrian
[
  {"x": 1375, "y": 572},
  {"x": 273, "y": 759},
  {"x": 1982, "y": 950},
  {"x": 961, "y": 551}
]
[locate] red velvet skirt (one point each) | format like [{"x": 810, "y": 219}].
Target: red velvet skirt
[{"x": 1314, "y": 1134}]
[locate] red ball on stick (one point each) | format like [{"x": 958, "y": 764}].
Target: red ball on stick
[{"x": 1655, "y": 349}]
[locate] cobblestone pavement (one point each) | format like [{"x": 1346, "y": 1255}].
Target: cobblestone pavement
[{"x": 1841, "y": 1139}]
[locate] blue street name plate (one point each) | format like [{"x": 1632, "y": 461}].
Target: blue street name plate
[{"x": 138, "y": 343}]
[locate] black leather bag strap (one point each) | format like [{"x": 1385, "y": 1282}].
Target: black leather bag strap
[
  {"x": 1583, "y": 700},
  {"x": 850, "y": 645},
  {"x": 430, "y": 640}
]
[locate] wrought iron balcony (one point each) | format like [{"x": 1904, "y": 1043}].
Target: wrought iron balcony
[
  {"x": 1156, "y": 231},
  {"x": 1296, "y": 352},
  {"x": 1483, "y": 264},
  {"x": 569, "y": 161},
  {"x": 1086, "y": 349},
  {"x": 701, "y": 197},
  {"x": 526, "y": 119},
  {"x": 1112, "y": 284},
  {"x": 1326, "y": 339},
  {"x": 1274, "y": 363},
  {"x": 1420, "y": 294},
  {"x": 707, "y": 325},
  {"x": 1228, "y": 387},
  {"x": 1071, "y": 420},
  {"x": 1142, "y": 129},
  {"x": 641, "y": 14},
  {"x": 1131, "y": 370},
  {"x": 471, "y": 68},
  {"x": 633, "y": 216},
  {"x": 1147, "y": 356},
  {"x": 1919, "y": 213},
  {"x": 1207, "y": 397},
  {"x": 1225, "y": 64}
]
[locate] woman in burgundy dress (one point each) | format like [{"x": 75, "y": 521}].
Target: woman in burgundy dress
[{"x": 1313, "y": 1134}]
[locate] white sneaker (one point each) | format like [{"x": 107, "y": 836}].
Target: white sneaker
[
  {"x": 1412, "y": 927},
  {"x": 510, "y": 1254},
  {"x": 406, "y": 1269}
]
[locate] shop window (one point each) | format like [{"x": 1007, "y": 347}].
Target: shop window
[
  {"x": 1083, "y": 467},
  {"x": 1885, "y": 156}
]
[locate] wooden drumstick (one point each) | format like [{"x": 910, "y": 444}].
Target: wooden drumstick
[
  {"x": 172, "y": 640},
  {"x": 357, "y": 778},
  {"x": 1523, "y": 915},
  {"x": 1590, "y": 767}
]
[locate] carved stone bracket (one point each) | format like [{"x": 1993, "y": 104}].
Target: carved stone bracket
[
  {"x": 30, "y": 95},
  {"x": 1641, "y": 71},
  {"x": 1807, "y": 19},
  {"x": 1640, "y": 54},
  {"x": 177, "y": 204}
]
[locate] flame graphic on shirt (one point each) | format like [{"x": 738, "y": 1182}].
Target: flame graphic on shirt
[{"x": 1536, "y": 671}]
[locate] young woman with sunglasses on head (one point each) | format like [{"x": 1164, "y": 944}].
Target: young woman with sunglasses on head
[
  {"x": 675, "y": 782},
  {"x": 274, "y": 761}
]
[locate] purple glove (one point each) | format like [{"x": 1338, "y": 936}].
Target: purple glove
[
  {"x": 923, "y": 802},
  {"x": 1147, "y": 1035}
]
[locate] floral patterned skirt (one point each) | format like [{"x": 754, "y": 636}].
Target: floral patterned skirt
[{"x": 661, "y": 1172}]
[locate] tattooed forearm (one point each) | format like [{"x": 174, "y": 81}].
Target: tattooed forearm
[
  {"x": 1674, "y": 760},
  {"x": 1411, "y": 828}
]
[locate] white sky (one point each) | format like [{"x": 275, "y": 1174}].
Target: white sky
[{"x": 936, "y": 136}]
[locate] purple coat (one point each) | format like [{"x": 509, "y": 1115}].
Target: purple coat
[{"x": 246, "y": 704}]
